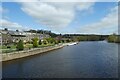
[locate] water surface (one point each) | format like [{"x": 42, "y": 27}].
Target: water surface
[{"x": 97, "y": 59}]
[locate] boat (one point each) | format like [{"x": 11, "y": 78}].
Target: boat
[{"x": 72, "y": 43}]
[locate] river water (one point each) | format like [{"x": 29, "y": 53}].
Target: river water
[{"x": 97, "y": 59}]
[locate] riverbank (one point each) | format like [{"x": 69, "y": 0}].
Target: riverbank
[
  {"x": 31, "y": 52},
  {"x": 26, "y": 53}
]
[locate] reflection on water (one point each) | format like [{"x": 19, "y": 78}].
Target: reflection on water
[{"x": 86, "y": 60}]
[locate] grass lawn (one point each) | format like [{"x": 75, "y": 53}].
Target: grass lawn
[
  {"x": 5, "y": 47},
  {"x": 8, "y": 50},
  {"x": 26, "y": 46},
  {"x": 43, "y": 45}
]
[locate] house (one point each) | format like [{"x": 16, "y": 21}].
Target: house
[
  {"x": 6, "y": 37},
  {"x": 9, "y": 36},
  {"x": 0, "y": 39}
]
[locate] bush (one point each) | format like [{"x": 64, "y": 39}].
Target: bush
[
  {"x": 35, "y": 42},
  {"x": 40, "y": 42},
  {"x": 20, "y": 45},
  {"x": 68, "y": 40},
  {"x": 44, "y": 42},
  {"x": 50, "y": 40},
  {"x": 112, "y": 38},
  {"x": 56, "y": 42},
  {"x": 63, "y": 41}
]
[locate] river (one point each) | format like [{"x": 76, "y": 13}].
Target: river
[{"x": 97, "y": 59}]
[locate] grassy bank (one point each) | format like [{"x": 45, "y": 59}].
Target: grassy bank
[
  {"x": 31, "y": 52},
  {"x": 12, "y": 47}
]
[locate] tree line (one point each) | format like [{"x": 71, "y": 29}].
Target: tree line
[{"x": 113, "y": 38}]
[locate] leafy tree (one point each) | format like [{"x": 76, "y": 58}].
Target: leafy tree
[
  {"x": 40, "y": 42},
  {"x": 50, "y": 40},
  {"x": 56, "y": 41},
  {"x": 118, "y": 39},
  {"x": 112, "y": 38},
  {"x": 17, "y": 30},
  {"x": 82, "y": 38},
  {"x": 68, "y": 40},
  {"x": 44, "y": 41},
  {"x": 20, "y": 45},
  {"x": 35, "y": 42},
  {"x": 62, "y": 41},
  {"x": 6, "y": 29}
]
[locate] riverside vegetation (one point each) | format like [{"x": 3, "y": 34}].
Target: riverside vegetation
[{"x": 56, "y": 39}]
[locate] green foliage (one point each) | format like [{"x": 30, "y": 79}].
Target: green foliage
[
  {"x": 35, "y": 42},
  {"x": 62, "y": 41},
  {"x": 111, "y": 38},
  {"x": 40, "y": 42},
  {"x": 82, "y": 38},
  {"x": 114, "y": 38},
  {"x": 50, "y": 40},
  {"x": 68, "y": 40},
  {"x": 87, "y": 38},
  {"x": 56, "y": 41},
  {"x": 118, "y": 39},
  {"x": 44, "y": 42},
  {"x": 93, "y": 38},
  {"x": 44, "y": 32},
  {"x": 20, "y": 45}
]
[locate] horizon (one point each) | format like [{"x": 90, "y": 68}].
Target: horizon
[
  {"x": 61, "y": 18},
  {"x": 66, "y": 33}
]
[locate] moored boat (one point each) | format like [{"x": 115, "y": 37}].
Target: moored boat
[{"x": 72, "y": 43}]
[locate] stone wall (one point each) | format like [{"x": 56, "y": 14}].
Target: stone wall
[{"x": 21, "y": 54}]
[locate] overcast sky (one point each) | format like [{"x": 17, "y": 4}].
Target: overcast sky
[{"x": 61, "y": 17}]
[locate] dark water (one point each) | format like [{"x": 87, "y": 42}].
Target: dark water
[{"x": 85, "y": 60}]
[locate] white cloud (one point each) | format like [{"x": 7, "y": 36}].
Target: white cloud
[
  {"x": 108, "y": 24},
  {"x": 84, "y": 5},
  {"x": 55, "y": 15},
  {"x": 11, "y": 25},
  {"x": 60, "y": 0}
]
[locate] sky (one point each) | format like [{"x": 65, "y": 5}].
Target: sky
[{"x": 61, "y": 17}]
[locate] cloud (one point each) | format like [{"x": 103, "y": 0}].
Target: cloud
[
  {"x": 108, "y": 24},
  {"x": 60, "y": 0},
  {"x": 54, "y": 14},
  {"x": 11, "y": 25}
]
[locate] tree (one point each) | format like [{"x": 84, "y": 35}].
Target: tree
[
  {"x": 44, "y": 41},
  {"x": 62, "y": 41},
  {"x": 20, "y": 45},
  {"x": 40, "y": 42},
  {"x": 35, "y": 42},
  {"x": 112, "y": 38},
  {"x": 56, "y": 41},
  {"x": 68, "y": 40},
  {"x": 118, "y": 39},
  {"x": 50, "y": 40},
  {"x": 17, "y": 30},
  {"x": 6, "y": 29}
]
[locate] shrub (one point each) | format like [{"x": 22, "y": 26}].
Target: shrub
[
  {"x": 112, "y": 38},
  {"x": 35, "y": 42},
  {"x": 45, "y": 42},
  {"x": 56, "y": 42},
  {"x": 50, "y": 40},
  {"x": 20, "y": 45},
  {"x": 40, "y": 42}
]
